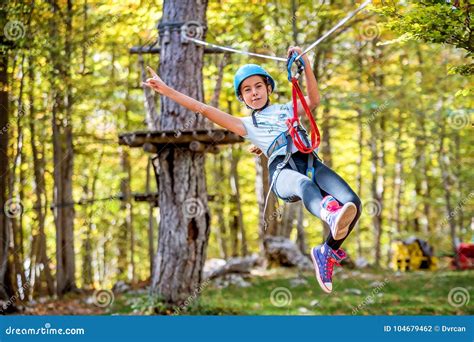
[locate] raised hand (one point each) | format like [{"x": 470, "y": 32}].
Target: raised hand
[
  {"x": 296, "y": 49},
  {"x": 155, "y": 82}
]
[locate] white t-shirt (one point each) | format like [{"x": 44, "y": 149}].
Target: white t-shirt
[{"x": 271, "y": 122}]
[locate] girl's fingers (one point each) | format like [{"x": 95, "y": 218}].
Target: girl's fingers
[
  {"x": 152, "y": 72},
  {"x": 153, "y": 83},
  {"x": 149, "y": 85},
  {"x": 255, "y": 150},
  {"x": 292, "y": 49}
]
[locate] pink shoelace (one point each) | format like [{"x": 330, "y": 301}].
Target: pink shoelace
[
  {"x": 330, "y": 266},
  {"x": 332, "y": 261}
]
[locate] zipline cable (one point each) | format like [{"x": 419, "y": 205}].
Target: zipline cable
[
  {"x": 191, "y": 30},
  {"x": 328, "y": 33},
  {"x": 242, "y": 52}
]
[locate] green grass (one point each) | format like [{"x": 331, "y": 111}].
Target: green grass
[{"x": 415, "y": 293}]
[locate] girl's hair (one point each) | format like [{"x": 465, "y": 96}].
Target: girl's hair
[{"x": 265, "y": 80}]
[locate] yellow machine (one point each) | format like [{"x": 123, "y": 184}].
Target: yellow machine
[{"x": 413, "y": 254}]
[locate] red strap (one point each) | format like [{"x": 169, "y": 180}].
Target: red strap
[{"x": 315, "y": 136}]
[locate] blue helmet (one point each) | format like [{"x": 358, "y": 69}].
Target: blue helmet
[{"x": 247, "y": 70}]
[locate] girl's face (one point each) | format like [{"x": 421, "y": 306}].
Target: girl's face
[{"x": 254, "y": 91}]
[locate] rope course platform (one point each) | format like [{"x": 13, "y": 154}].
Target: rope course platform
[{"x": 203, "y": 140}]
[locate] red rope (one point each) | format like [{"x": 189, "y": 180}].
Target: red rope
[{"x": 315, "y": 136}]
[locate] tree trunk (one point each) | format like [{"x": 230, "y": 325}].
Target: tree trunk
[
  {"x": 88, "y": 244},
  {"x": 126, "y": 189},
  {"x": 185, "y": 221},
  {"x": 418, "y": 192},
  {"x": 87, "y": 274},
  {"x": 220, "y": 77},
  {"x": 423, "y": 149},
  {"x": 6, "y": 289},
  {"x": 300, "y": 233},
  {"x": 63, "y": 153},
  {"x": 398, "y": 175},
  {"x": 237, "y": 229},
  {"x": 16, "y": 222},
  {"x": 375, "y": 171},
  {"x": 236, "y": 207},
  {"x": 268, "y": 221},
  {"x": 38, "y": 252},
  {"x": 234, "y": 234},
  {"x": 151, "y": 217},
  {"x": 360, "y": 143},
  {"x": 444, "y": 162},
  {"x": 397, "y": 184},
  {"x": 288, "y": 219},
  {"x": 219, "y": 204},
  {"x": 458, "y": 176},
  {"x": 378, "y": 158},
  {"x": 126, "y": 263},
  {"x": 124, "y": 232}
]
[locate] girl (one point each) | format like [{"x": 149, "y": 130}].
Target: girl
[{"x": 328, "y": 197}]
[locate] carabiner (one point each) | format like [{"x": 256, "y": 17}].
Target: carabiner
[{"x": 299, "y": 64}]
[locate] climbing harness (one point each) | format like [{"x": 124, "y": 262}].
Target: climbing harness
[{"x": 296, "y": 133}]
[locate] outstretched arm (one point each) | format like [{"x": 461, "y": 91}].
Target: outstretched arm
[
  {"x": 217, "y": 116},
  {"x": 312, "y": 97}
]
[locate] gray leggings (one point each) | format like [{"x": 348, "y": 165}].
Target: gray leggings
[{"x": 293, "y": 185}]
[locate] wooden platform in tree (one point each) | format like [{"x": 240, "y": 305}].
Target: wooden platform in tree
[{"x": 196, "y": 140}]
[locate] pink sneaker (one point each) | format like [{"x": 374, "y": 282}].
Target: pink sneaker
[{"x": 337, "y": 217}]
